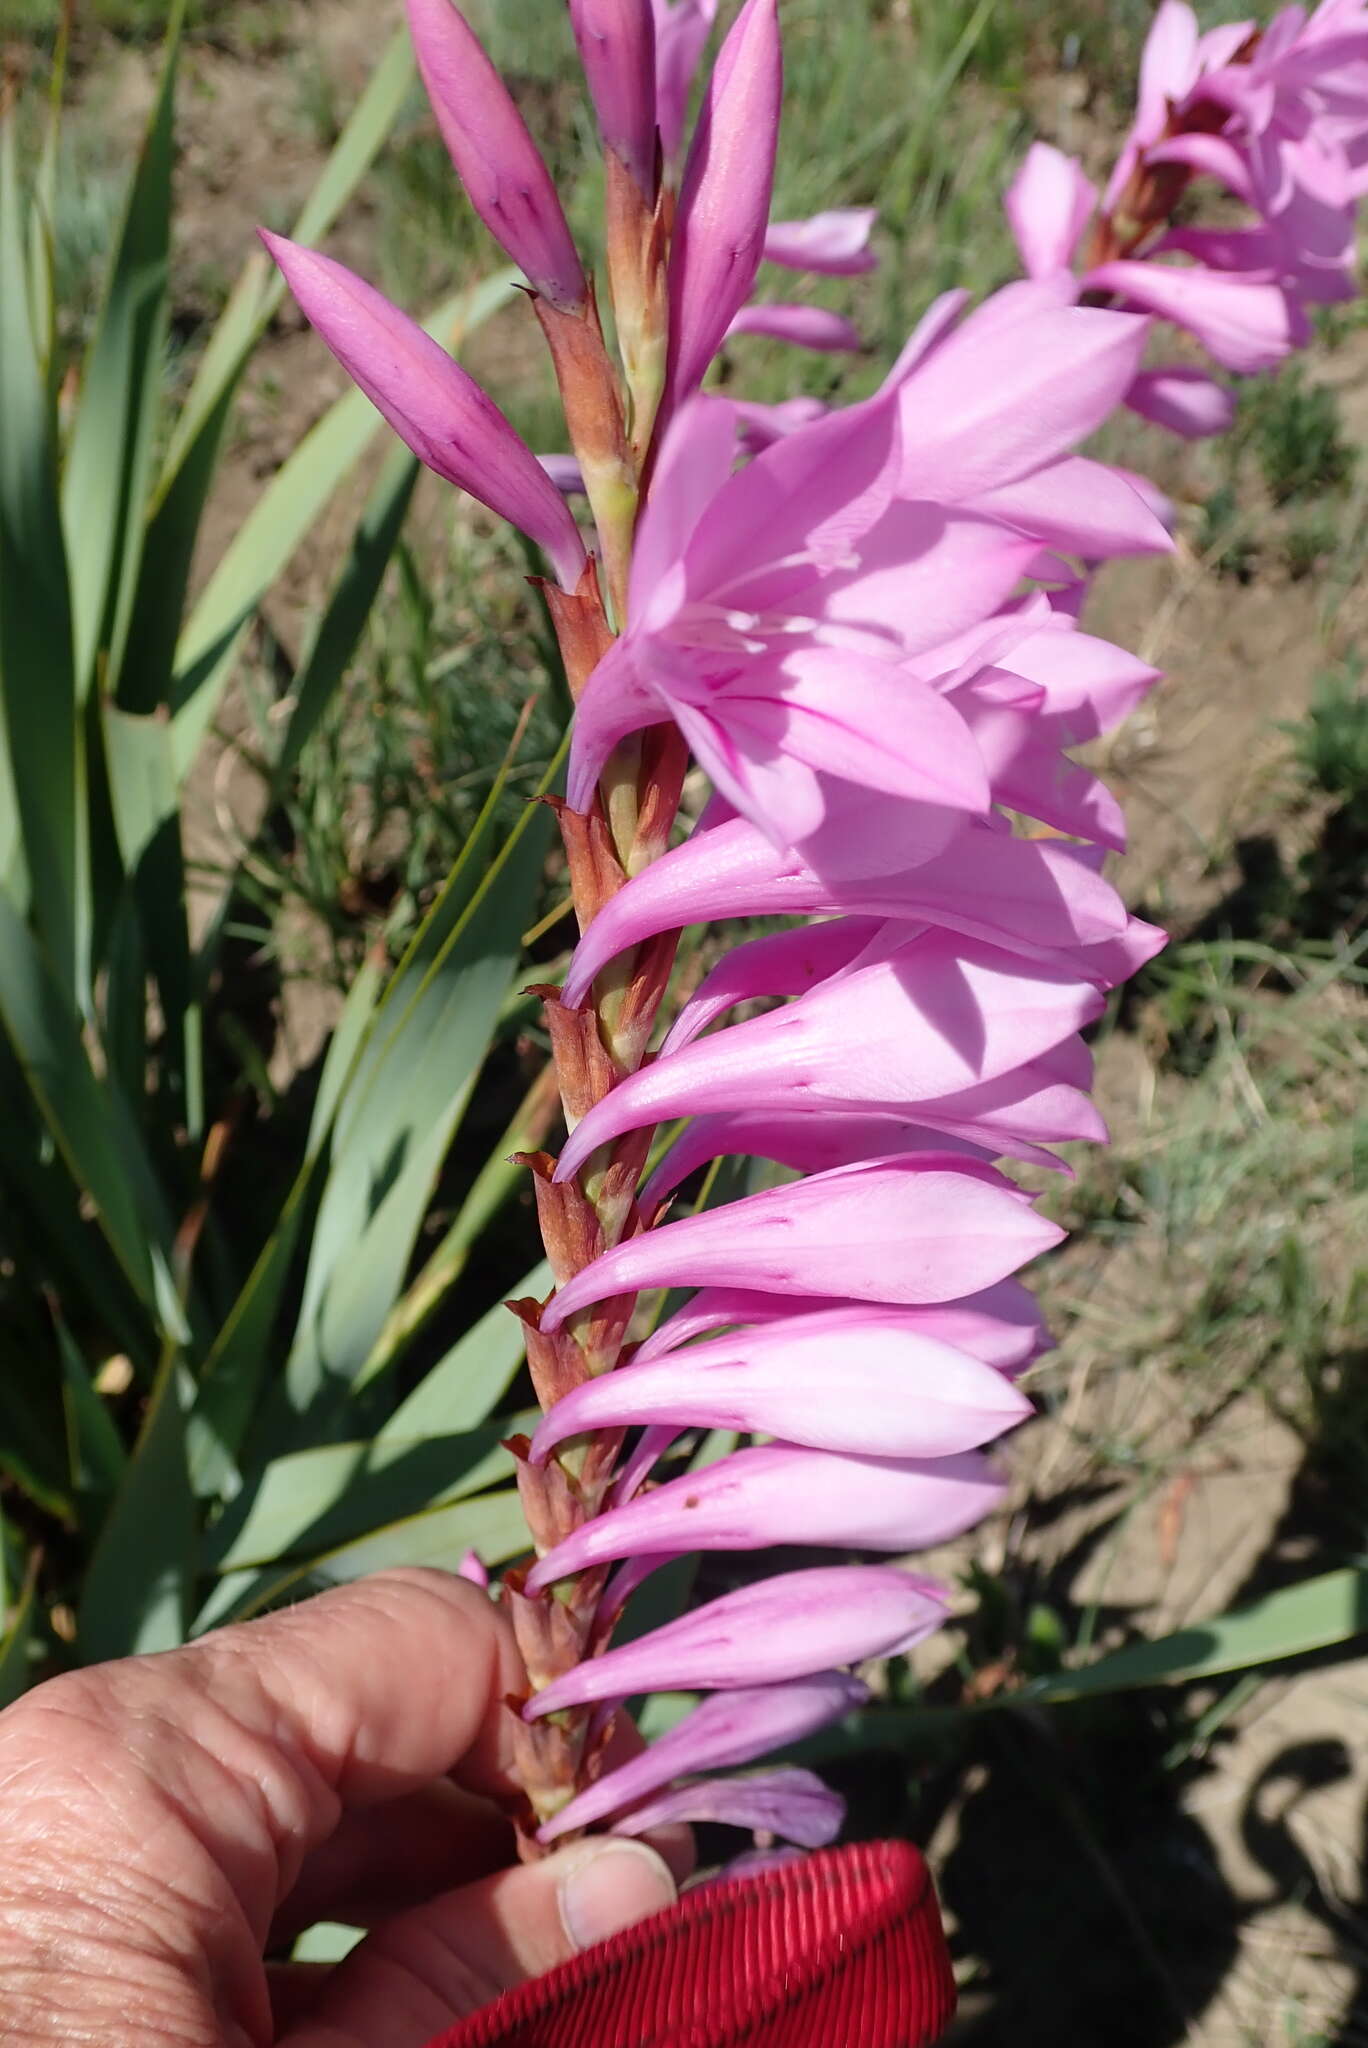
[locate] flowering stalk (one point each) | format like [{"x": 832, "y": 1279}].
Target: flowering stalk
[{"x": 863, "y": 626}]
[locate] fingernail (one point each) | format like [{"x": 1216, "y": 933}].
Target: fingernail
[{"x": 612, "y": 1886}]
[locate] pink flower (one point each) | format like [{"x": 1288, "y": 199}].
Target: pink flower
[
  {"x": 442, "y": 414},
  {"x": 921, "y": 1228},
  {"x": 617, "y": 47},
  {"x": 936, "y": 1015},
  {"x": 1279, "y": 117},
  {"x": 724, "y": 200},
  {"x": 784, "y": 1628},
  {"x": 495, "y": 157},
  {"x": 863, "y": 531},
  {"x": 899, "y": 1392},
  {"x": 722, "y": 1733}
]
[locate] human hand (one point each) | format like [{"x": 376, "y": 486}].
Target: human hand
[{"x": 165, "y": 1820}]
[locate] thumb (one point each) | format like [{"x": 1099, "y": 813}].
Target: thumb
[{"x": 428, "y": 1968}]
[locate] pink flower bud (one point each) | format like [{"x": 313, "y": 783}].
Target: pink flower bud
[
  {"x": 801, "y": 326},
  {"x": 777, "y": 1494},
  {"x": 495, "y": 157},
  {"x": 442, "y": 414},
  {"x": 616, "y": 40},
  {"x": 793, "y": 1804},
  {"x": 914, "y": 1229},
  {"x": 1002, "y": 1325},
  {"x": 1186, "y": 401},
  {"x": 682, "y": 28},
  {"x": 725, "y": 198}
]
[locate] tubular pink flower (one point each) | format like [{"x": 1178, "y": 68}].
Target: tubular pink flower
[
  {"x": 803, "y": 326},
  {"x": 913, "y": 1229},
  {"x": 724, "y": 199},
  {"x": 792, "y": 1804},
  {"x": 722, "y": 1733},
  {"x": 442, "y": 414},
  {"x": 617, "y": 47},
  {"x": 495, "y": 157},
  {"x": 834, "y": 244},
  {"x": 1002, "y": 1325},
  {"x": 784, "y": 1628},
  {"x": 935, "y": 1017},
  {"x": 1028, "y": 896},
  {"x": 778, "y": 1494},
  {"x": 859, "y": 1380},
  {"x": 1015, "y": 1117}
]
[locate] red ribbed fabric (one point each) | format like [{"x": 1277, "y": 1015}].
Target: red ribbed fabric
[{"x": 842, "y": 1950}]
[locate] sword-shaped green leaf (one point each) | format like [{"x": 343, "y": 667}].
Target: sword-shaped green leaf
[
  {"x": 42, "y": 803},
  {"x": 139, "y": 1586},
  {"x": 109, "y": 467}
]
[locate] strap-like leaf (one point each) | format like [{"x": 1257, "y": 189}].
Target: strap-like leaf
[
  {"x": 109, "y": 462},
  {"x": 312, "y": 1501},
  {"x": 470, "y": 1380},
  {"x": 192, "y": 455},
  {"x": 89, "y": 1120},
  {"x": 491, "y": 1524},
  {"x": 42, "y": 802},
  {"x": 138, "y": 1589},
  {"x": 1315, "y": 1615}
]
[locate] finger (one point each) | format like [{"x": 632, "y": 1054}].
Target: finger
[
  {"x": 239, "y": 1754},
  {"x": 294, "y": 1989},
  {"x": 428, "y": 1968},
  {"x": 383, "y": 1859}
]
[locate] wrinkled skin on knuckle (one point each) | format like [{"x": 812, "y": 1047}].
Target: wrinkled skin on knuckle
[{"x": 115, "y": 1919}]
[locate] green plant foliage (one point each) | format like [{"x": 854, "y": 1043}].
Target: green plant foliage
[
  {"x": 1331, "y": 742},
  {"x": 1298, "y": 434}
]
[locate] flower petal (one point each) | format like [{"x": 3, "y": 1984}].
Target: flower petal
[
  {"x": 722, "y": 1733},
  {"x": 783, "y": 1628}
]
